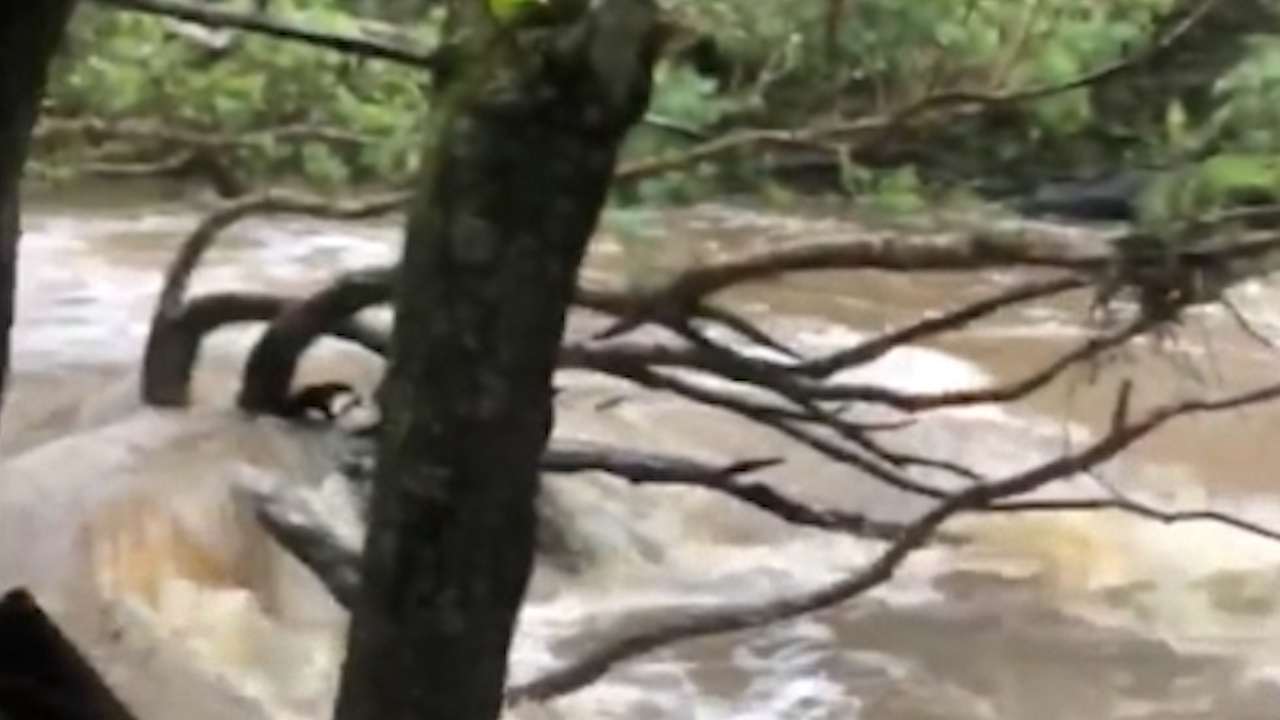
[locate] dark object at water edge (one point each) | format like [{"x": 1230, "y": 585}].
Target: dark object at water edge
[
  {"x": 43, "y": 676},
  {"x": 1116, "y": 198},
  {"x": 1112, "y": 198}
]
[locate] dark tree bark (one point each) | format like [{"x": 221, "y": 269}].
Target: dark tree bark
[
  {"x": 29, "y": 35},
  {"x": 517, "y": 169}
]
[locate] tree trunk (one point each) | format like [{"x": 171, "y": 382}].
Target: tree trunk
[
  {"x": 29, "y": 36},
  {"x": 518, "y": 167}
]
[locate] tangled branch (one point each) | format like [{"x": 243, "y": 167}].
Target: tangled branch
[
  {"x": 794, "y": 397},
  {"x": 310, "y": 534},
  {"x": 625, "y": 643}
]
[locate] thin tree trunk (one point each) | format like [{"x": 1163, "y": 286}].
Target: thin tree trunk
[
  {"x": 29, "y": 35},
  {"x": 519, "y": 166}
]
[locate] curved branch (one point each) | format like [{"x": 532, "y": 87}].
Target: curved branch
[
  {"x": 268, "y": 374},
  {"x": 174, "y": 343},
  {"x": 163, "y": 346},
  {"x": 682, "y": 298},
  {"x": 173, "y": 353}
]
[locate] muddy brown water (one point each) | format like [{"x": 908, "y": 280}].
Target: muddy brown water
[{"x": 1081, "y": 616}]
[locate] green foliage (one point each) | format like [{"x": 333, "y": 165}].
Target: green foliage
[
  {"x": 786, "y": 64},
  {"x": 780, "y": 64},
  {"x": 692, "y": 105},
  {"x": 1212, "y": 185},
  {"x": 796, "y": 61},
  {"x": 1248, "y": 119},
  {"x": 512, "y": 12},
  {"x": 274, "y": 109},
  {"x": 887, "y": 52}
]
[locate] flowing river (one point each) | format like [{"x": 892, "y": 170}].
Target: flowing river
[{"x": 1077, "y": 616}]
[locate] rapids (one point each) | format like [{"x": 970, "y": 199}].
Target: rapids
[{"x": 127, "y": 522}]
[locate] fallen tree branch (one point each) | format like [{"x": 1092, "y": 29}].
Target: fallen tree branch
[
  {"x": 793, "y": 411},
  {"x": 165, "y": 386},
  {"x": 272, "y": 363},
  {"x": 309, "y": 536},
  {"x": 269, "y": 372},
  {"x": 1120, "y": 501},
  {"x": 876, "y": 347},
  {"x": 645, "y": 366},
  {"x": 1142, "y": 510},
  {"x": 1015, "y": 245},
  {"x": 173, "y": 353},
  {"x": 643, "y": 468},
  {"x": 858, "y": 354},
  {"x": 627, "y": 643},
  {"x": 304, "y": 530}
]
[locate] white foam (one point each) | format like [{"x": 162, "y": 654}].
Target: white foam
[{"x": 75, "y": 303}]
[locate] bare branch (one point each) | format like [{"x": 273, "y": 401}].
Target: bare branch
[
  {"x": 626, "y": 644},
  {"x": 635, "y": 364},
  {"x": 168, "y": 342},
  {"x": 173, "y": 353},
  {"x": 268, "y": 374},
  {"x": 1139, "y": 509},
  {"x": 789, "y": 425},
  {"x": 911, "y": 402},
  {"x": 256, "y": 23},
  {"x": 306, "y": 533},
  {"x": 876, "y": 347},
  {"x": 659, "y": 469}
]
